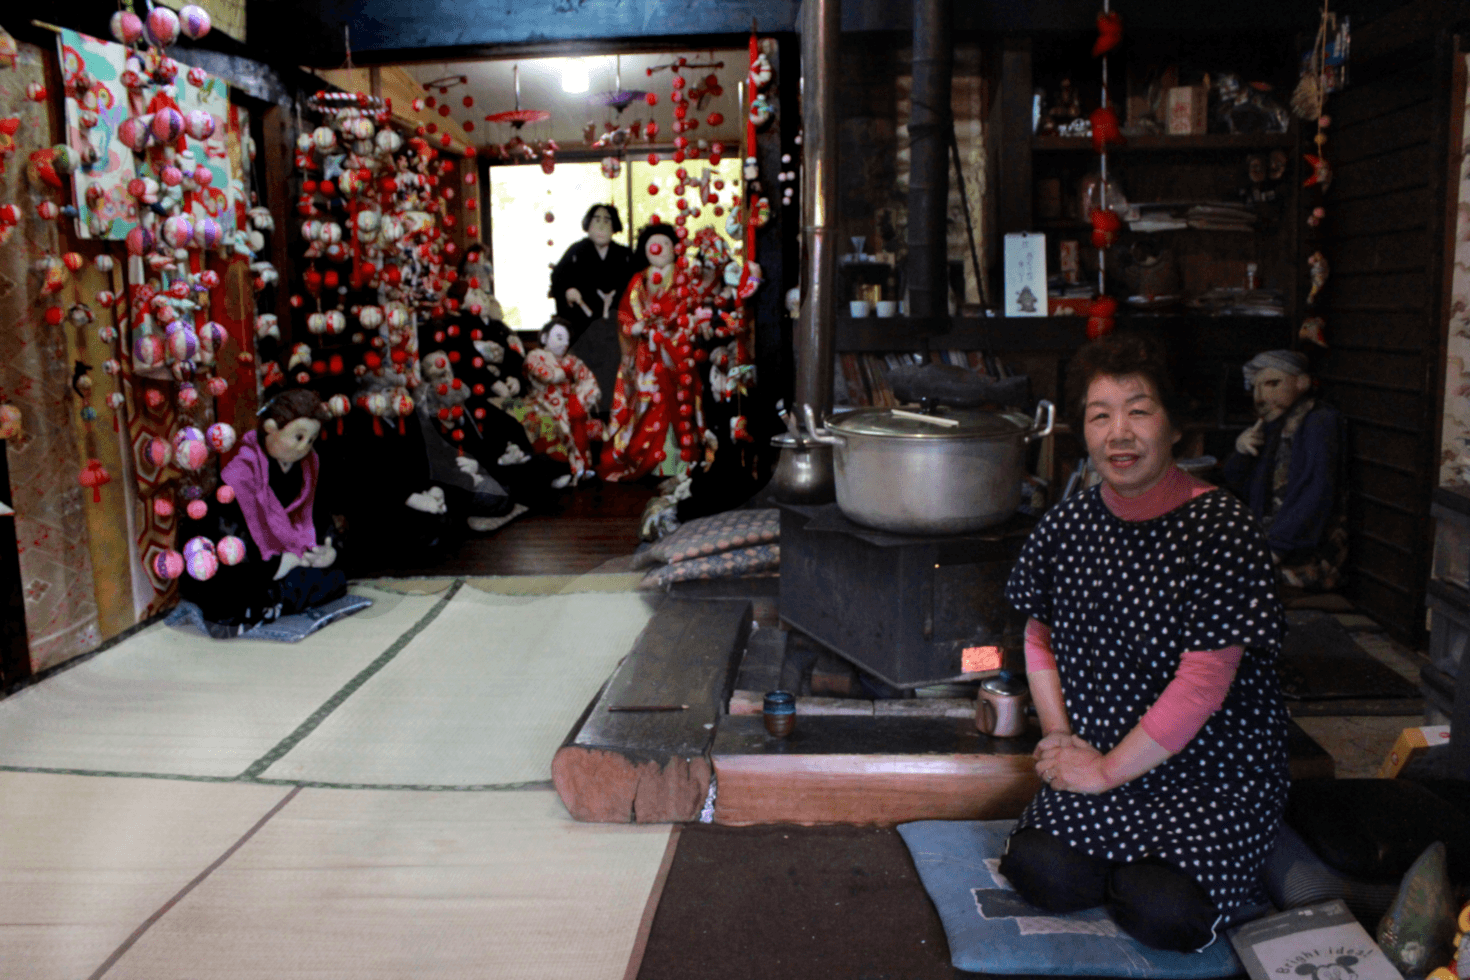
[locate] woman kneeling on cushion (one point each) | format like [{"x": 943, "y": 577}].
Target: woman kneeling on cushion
[
  {"x": 289, "y": 555},
  {"x": 1150, "y": 650}
]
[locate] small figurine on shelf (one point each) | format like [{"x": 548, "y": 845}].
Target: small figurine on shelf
[{"x": 1063, "y": 109}]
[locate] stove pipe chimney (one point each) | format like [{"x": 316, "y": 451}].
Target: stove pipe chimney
[
  {"x": 929, "y": 134},
  {"x": 821, "y": 23}
]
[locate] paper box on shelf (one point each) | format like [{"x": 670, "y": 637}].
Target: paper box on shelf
[
  {"x": 1068, "y": 305},
  {"x": 1412, "y": 742},
  {"x": 1187, "y": 109}
]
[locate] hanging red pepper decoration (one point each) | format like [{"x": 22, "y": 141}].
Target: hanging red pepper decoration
[
  {"x": 1100, "y": 314},
  {"x": 1105, "y": 129},
  {"x": 1109, "y": 33},
  {"x": 1105, "y": 227}
]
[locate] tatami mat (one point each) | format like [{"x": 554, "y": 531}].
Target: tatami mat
[
  {"x": 172, "y": 702},
  {"x": 385, "y": 885},
  {"x": 557, "y": 584},
  {"x": 483, "y": 696},
  {"x": 85, "y": 861}
]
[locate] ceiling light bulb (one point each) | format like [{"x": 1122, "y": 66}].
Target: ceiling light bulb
[{"x": 574, "y": 75}]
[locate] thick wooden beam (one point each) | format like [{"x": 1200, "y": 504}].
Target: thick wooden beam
[
  {"x": 621, "y": 766},
  {"x": 844, "y": 769}
]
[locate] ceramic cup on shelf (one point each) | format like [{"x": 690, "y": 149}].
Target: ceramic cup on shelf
[
  {"x": 887, "y": 307},
  {"x": 779, "y": 711},
  {"x": 859, "y": 307}
]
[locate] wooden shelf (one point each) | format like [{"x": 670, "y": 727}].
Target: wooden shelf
[
  {"x": 1152, "y": 142},
  {"x": 1026, "y": 333}
]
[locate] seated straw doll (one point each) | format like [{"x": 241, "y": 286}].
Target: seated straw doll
[{"x": 290, "y": 555}]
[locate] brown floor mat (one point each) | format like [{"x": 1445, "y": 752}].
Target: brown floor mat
[{"x": 792, "y": 903}]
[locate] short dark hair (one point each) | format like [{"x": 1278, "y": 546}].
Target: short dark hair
[
  {"x": 612, "y": 212},
  {"x": 288, "y": 406},
  {"x": 1120, "y": 355},
  {"x": 556, "y": 321},
  {"x": 652, "y": 230}
]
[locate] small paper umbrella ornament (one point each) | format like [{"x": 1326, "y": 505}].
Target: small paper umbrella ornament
[
  {"x": 221, "y": 437},
  {"x": 194, "y": 21},
  {"x": 178, "y": 231},
  {"x": 200, "y": 560},
  {"x": 191, "y": 455},
  {"x": 94, "y": 475},
  {"x": 158, "y": 452},
  {"x": 163, "y": 26},
  {"x": 168, "y": 565},
  {"x": 197, "y": 510},
  {"x": 168, "y": 123},
  {"x": 148, "y": 351}
]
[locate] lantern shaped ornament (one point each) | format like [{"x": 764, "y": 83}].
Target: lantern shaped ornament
[
  {"x": 225, "y": 494},
  {"x": 127, "y": 28},
  {"x": 221, "y": 437},
  {"x": 213, "y": 337},
  {"x": 158, "y": 453},
  {"x": 94, "y": 475},
  {"x": 194, "y": 21},
  {"x": 336, "y": 322},
  {"x": 370, "y": 317},
  {"x": 186, "y": 434},
  {"x": 162, "y": 26},
  {"x": 324, "y": 138},
  {"x": 168, "y": 123},
  {"x": 183, "y": 343},
  {"x": 10, "y": 422},
  {"x": 316, "y": 323},
  {"x": 178, "y": 231},
  {"x": 191, "y": 454},
  {"x": 200, "y": 559},
  {"x": 230, "y": 550},
  {"x": 149, "y": 351},
  {"x": 207, "y": 233},
  {"x": 168, "y": 565}
]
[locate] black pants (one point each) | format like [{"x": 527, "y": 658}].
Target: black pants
[{"x": 1151, "y": 900}]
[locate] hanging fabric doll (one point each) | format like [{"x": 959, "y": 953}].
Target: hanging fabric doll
[
  {"x": 588, "y": 282},
  {"x": 656, "y": 425},
  {"x": 559, "y": 411},
  {"x": 290, "y": 551}
]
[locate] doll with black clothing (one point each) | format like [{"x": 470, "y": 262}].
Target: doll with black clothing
[
  {"x": 588, "y": 283},
  {"x": 291, "y": 557}
]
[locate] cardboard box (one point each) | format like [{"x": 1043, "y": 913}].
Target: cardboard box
[
  {"x": 1412, "y": 742},
  {"x": 1187, "y": 108}
]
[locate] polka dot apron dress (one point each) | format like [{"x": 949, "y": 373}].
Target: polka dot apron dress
[{"x": 1124, "y": 600}]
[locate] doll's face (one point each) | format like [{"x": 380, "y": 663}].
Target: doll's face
[
  {"x": 291, "y": 443},
  {"x": 600, "y": 228},
  {"x": 557, "y": 340},
  {"x": 1276, "y": 391},
  {"x": 436, "y": 367},
  {"x": 659, "y": 251}
]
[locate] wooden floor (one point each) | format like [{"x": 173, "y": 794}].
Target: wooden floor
[{"x": 596, "y": 524}]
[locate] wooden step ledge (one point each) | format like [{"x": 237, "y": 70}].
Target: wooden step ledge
[{"x": 653, "y": 767}]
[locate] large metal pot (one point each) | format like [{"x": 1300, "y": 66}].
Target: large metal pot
[{"x": 949, "y": 472}]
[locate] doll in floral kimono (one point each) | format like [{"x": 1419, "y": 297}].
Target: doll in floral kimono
[
  {"x": 656, "y": 424},
  {"x": 560, "y": 407}
]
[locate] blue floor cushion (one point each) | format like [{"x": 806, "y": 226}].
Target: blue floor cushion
[
  {"x": 288, "y": 629},
  {"x": 991, "y": 929}
]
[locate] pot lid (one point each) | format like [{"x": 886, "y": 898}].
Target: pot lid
[
  {"x": 1005, "y": 684},
  {"x": 969, "y": 423}
]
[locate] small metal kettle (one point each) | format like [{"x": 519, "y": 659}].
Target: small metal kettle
[{"x": 1000, "y": 705}]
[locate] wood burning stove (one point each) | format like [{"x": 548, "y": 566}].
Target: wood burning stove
[{"x": 910, "y": 610}]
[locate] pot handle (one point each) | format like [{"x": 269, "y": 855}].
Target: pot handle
[
  {"x": 1038, "y": 429},
  {"x": 819, "y": 433}
]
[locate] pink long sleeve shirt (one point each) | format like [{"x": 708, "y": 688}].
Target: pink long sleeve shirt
[{"x": 1203, "y": 678}]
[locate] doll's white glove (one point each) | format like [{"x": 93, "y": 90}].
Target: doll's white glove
[
  {"x": 512, "y": 456},
  {"x": 1250, "y": 442},
  {"x": 323, "y": 555},
  {"x": 288, "y": 562},
  {"x": 467, "y": 465},
  {"x": 430, "y": 501}
]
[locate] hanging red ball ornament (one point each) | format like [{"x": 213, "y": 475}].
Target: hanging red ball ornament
[
  {"x": 1109, "y": 33},
  {"x": 1105, "y": 227},
  {"x": 1105, "y": 129}
]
